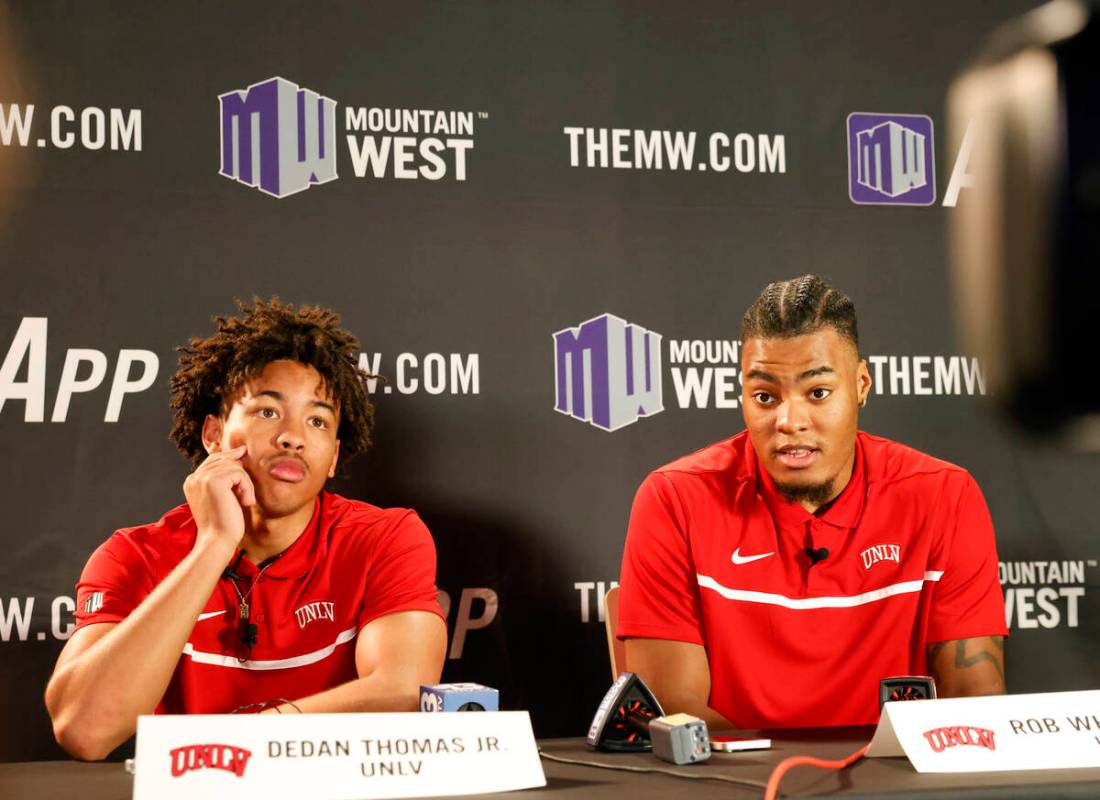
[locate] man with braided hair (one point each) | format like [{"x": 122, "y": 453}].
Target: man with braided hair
[
  {"x": 263, "y": 591},
  {"x": 772, "y": 579}
]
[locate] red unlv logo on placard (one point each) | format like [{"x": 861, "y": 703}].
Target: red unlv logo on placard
[
  {"x": 942, "y": 738},
  {"x": 209, "y": 756}
]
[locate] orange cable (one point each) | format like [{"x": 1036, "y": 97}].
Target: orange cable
[{"x": 797, "y": 761}]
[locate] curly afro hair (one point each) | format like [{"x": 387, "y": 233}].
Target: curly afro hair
[{"x": 213, "y": 370}]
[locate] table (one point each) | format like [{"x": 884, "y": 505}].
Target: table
[{"x": 889, "y": 778}]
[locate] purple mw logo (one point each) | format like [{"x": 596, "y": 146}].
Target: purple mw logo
[
  {"x": 278, "y": 137},
  {"x": 608, "y": 372},
  {"x": 890, "y": 159}
]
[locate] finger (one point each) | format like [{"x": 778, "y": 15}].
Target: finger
[
  {"x": 246, "y": 490},
  {"x": 230, "y": 473},
  {"x": 226, "y": 473},
  {"x": 235, "y": 453},
  {"x": 221, "y": 456}
]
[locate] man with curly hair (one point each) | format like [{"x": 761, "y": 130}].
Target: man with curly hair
[
  {"x": 263, "y": 591},
  {"x": 772, "y": 579}
]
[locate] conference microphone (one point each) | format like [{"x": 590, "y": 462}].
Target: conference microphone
[
  {"x": 621, "y": 723},
  {"x": 680, "y": 739},
  {"x": 820, "y": 554},
  {"x": 630, "y": 719},
  {"x": 458, "y": 697}
]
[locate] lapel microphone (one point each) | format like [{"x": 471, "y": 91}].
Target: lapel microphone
[
  {"x": 231, "y": 571},
  {"x": 820, "y": 554},
  {"x": 250, "y": 631}
]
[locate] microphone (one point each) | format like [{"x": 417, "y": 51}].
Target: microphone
[
  {"x": 680, "y": 739},
  {"x": 249, "y": 634},
  {"x": 820, "y": 554}
]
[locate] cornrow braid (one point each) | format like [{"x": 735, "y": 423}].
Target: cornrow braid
[
  {"x": 802, "y": 288},
  {"x": 213, "y": 370},
  {"x": 799, "y": 306},
  {"x": 777, "y": 294}
]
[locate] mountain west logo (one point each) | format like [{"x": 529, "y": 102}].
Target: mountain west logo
[
  {"x": 277, "y": 137},
  {"x": 209, "y": 756},
  {"x": 607, "y": 372},
  {"x": 315, "y": 611},
  {"x": 281, "y": 139},
  {"x": 890, "y": 159}
]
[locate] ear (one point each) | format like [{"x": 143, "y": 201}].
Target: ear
[
  {"x": 335, "y": 458},
  {"x": 212, "y": 428},
  {"x": 863, "y": 382}
]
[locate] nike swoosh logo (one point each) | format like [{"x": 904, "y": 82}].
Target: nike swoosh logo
[
  {"x": 210, "y": 614},
  {"x": 737, "y": 558}
]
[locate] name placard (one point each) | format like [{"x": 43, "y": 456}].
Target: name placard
[
  {"x": 1053, "y": 730},
  {"x": 334, "y": 756}
]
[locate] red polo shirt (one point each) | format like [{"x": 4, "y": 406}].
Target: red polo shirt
[
  {"x": 715, "y": 556},
  {"x": 353, "y": 563}
]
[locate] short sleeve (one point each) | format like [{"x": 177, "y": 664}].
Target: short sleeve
[
  {"x": 401, "y": 572},
  {"x": 967, "y": 600},
  {"x": 659, "y": 594},
  {"x": 113, "y": 583}
]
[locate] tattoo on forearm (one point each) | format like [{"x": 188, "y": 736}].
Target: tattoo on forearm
[
  {"x": 962, "y": 661},
  {"x": 971, "y": 652}
]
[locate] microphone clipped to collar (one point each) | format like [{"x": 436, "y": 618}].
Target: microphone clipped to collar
[
  {"x": 249, "y": 634},
  {"x": 250, "y": 631},
  {"x": 230, "y": 572}
]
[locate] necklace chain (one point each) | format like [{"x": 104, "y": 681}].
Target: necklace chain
[
  {"x": 248, "y": 629},
  {"x": 243, "y": 610}
]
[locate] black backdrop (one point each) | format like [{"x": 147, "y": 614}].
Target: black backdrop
[{"x": 117, "y": 229}]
